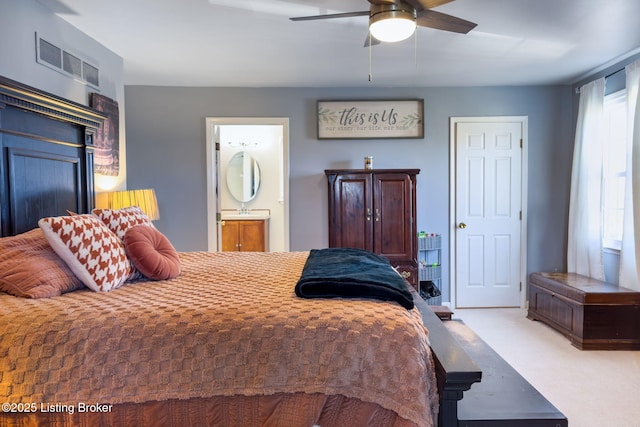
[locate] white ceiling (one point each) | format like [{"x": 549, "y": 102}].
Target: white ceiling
[{"x": 253, "y": 43}]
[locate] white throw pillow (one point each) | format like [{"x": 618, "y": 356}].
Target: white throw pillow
[{"x": 91, "y": 251}]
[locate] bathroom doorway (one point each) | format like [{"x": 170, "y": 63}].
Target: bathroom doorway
[{"x": 248, "y": 177}]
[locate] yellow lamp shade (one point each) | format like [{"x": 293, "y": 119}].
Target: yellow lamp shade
[{"x": 144, "y": 199}]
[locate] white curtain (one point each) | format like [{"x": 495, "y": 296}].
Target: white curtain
[
  {"x": 584, "y": 248},
  {"x": 630, "y": 253}
]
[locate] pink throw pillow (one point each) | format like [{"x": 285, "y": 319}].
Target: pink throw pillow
[
  {"x": 152, "y": 253},
  {"x": 30, "y": 268}
]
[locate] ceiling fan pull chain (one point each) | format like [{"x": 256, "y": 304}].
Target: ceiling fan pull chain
[
  {"x": 370, "y": 55},
  {"x": 415, "y": 48}
]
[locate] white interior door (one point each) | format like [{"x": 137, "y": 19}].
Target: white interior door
[{"x": 488, "y": 211}]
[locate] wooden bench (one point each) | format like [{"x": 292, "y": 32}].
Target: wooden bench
[
  {"x": 594, "y": 315},
  {"x": 455, "y": 370},
  {"x": 477, "y": 387},
  {"x": 503, "y": 398}
]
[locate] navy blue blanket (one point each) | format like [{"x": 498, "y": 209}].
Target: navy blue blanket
[{"x": 351, "y": 273}]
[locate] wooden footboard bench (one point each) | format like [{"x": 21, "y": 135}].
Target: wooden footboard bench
[
  {"x": 504, "y": 398},
  {"x": 455, "y": 370},
  {"x": 594, "y": 315}
]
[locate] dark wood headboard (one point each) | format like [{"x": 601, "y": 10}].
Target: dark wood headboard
[{"x": 46, "y": 157}]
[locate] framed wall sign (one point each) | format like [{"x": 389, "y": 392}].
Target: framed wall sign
[{"x": 345, "y": 119}]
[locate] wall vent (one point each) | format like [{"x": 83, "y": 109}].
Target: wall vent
[{"x": 61, "y": 60}]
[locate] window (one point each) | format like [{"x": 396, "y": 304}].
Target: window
[{"x": 614, "y": 168}]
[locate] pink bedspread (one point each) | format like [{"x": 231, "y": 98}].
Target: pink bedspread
[{"x": 229, "y": 325}]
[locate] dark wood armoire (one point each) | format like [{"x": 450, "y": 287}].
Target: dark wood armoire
[{"x": 375, "y": 210}]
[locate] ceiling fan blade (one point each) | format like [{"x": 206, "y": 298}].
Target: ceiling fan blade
[
  {"x": 377, "y": 2},
  {"x": 371, "y": 41},
  {"x": 426, "y": 4},
  {"x": 442, "y": 21},
  {"x": 331, "y": 16}
]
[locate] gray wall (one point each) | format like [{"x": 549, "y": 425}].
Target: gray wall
[
  {"x": 166, "y": 151},
  {"x": 19, "y": 22}
]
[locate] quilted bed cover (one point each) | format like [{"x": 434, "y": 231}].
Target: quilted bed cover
[{"x": 230, "y": 325}]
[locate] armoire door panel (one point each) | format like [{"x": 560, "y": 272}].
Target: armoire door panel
[
  {"x": 352, "y": 222},
  {"x": 393, "y": 220}
]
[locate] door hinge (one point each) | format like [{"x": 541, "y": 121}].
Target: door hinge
[
  {"x": 520, "y": 286},
  {"x": 521, "y": 143},
  {"x": 520, "y": 215}
]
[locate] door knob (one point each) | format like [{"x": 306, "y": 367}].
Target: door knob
[{"x": 462, "y": 226}]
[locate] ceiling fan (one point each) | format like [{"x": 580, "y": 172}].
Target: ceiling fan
[{"x": 396, "y": 20}]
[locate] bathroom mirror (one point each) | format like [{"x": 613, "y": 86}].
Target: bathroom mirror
[{"x": 243, "y": 176}]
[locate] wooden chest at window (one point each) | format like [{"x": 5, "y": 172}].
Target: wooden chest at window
[
  {"x": 375, "y": 210},
  {"x": 594, "y": 315}
]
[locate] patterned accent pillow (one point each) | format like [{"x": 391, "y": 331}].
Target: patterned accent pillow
[
  {"x": 120, "y": 220},
  {"x": 29, "y": 268},
  {"x": 94, "y": 254}
]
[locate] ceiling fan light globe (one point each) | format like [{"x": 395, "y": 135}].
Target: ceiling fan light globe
[{"x": 393, "y": 26}]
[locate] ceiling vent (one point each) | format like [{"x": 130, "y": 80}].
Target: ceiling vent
[{"x": 61, "y": 60}]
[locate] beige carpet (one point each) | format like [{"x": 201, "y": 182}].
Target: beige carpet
[{"x": 592, "y": 388}]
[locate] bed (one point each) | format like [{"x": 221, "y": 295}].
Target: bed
[{"x": 226, "y": 342}]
